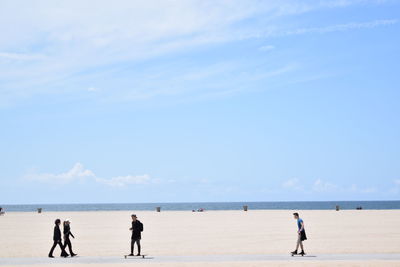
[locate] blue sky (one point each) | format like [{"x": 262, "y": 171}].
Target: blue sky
[{"x": 174, "y": 101}]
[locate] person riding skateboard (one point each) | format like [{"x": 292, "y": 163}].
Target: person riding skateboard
[
  {"x": 301, "y": 235},
  {"x": 137, "y": 229}
]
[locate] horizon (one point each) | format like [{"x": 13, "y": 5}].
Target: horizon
[{"x": 242, "y": 202}]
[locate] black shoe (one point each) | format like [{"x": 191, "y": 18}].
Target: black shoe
[
  {"x": 302, "y": 253},
  {"x": 51, "y": 256},
  {"x": 64, "y": 255},
  {"x": 294, "y": 252},
  {"x": 73, "y": 255},
  {"x": 131, "y": 254},
  {"x": 138, "y": 254}
]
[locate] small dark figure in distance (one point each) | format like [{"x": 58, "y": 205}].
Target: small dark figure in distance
[
  {"x": 67, "y": 234},
  {"x": 137, "y": 229},
  {"x": 301, "y": 235},
  {"x": 57, "y": 240}
]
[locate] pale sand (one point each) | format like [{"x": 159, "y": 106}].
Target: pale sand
[{"x": 208, "y": 233}]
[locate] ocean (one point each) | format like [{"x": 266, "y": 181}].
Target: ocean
[{"x": 290, "y": 205}]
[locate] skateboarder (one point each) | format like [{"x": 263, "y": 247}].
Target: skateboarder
[
  {"x": 67, "y": 241},
  {"x": 301, "y": 235},
  {"x": 57, "y": 240},
  {"x": 137, "y": 229}
]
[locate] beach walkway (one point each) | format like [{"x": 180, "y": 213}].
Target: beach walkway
[{"x": 194, "y": 259}]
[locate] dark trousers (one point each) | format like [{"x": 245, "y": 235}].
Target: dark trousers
[
  {"x": 58, "y": 242},
  {"x": 137, "y": 241},
  {"x": 67, "y": 242}
]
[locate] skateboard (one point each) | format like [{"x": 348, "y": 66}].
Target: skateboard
[
  {"x": 297, "y": 254},
  {"x": 143, "y": 256}
]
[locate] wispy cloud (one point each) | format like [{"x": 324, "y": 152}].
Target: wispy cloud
[
  {"x": 323, "y": 186},
  {"x": 396, "y": 188},
  {"x": 293, "y": 184},
  {"x": 342, "y": 27},
  {"x": 320, "y": 186},
  {"x": 20, "y": 56},
  {"x": 125, "y": 180},
  {"x": 266, "y": 48},
  {"x": 92, "y": 89},
  {"x": 59, "y": 45}
]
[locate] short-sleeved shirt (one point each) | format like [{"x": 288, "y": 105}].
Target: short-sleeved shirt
[{"x": 299, "y": 222}]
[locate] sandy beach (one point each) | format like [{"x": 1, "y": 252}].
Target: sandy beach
[{"x": 183, "y": 233}]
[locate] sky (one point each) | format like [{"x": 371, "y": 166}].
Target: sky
[{"x": 189, "y": 101}]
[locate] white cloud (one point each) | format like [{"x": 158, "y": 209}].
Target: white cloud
[
  {"x": 292, "y": 184},
  {"x": 267, "y": 48},
  {"x": 322, "y": 186},
  {"x": 92, "y": 89},
  {"x": 79, "y": 173},
  {"x": 125, "y": 180}
]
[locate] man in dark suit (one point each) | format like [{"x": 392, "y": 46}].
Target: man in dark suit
[
  {"x": 57, "y": 240},
  {"x": 137, "y": 229}
]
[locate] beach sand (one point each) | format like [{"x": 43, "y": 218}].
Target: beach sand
[{"x": 183, "y": 233}]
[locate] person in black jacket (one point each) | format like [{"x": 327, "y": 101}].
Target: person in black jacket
[
  {"x": 137, "y": 229},
  {"x": 57, "y": 240},
  {"x": 67, "y": 241}
]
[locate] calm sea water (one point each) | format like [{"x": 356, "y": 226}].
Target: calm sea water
[{"x": 311, "y": 205}]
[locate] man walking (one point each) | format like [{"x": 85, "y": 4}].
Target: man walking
[
  {"x": 137, "y": 229},
  {"x": 301, "y": 235},
  {"x": 57, "y": 240}
]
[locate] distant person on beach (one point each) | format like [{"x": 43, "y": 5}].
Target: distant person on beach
[
  {"x": 137, "y": 229},
  {"x": 67, "y": 234},
  {"x": 301, "y": 235},
  {"x": 57, "y": 240}
]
